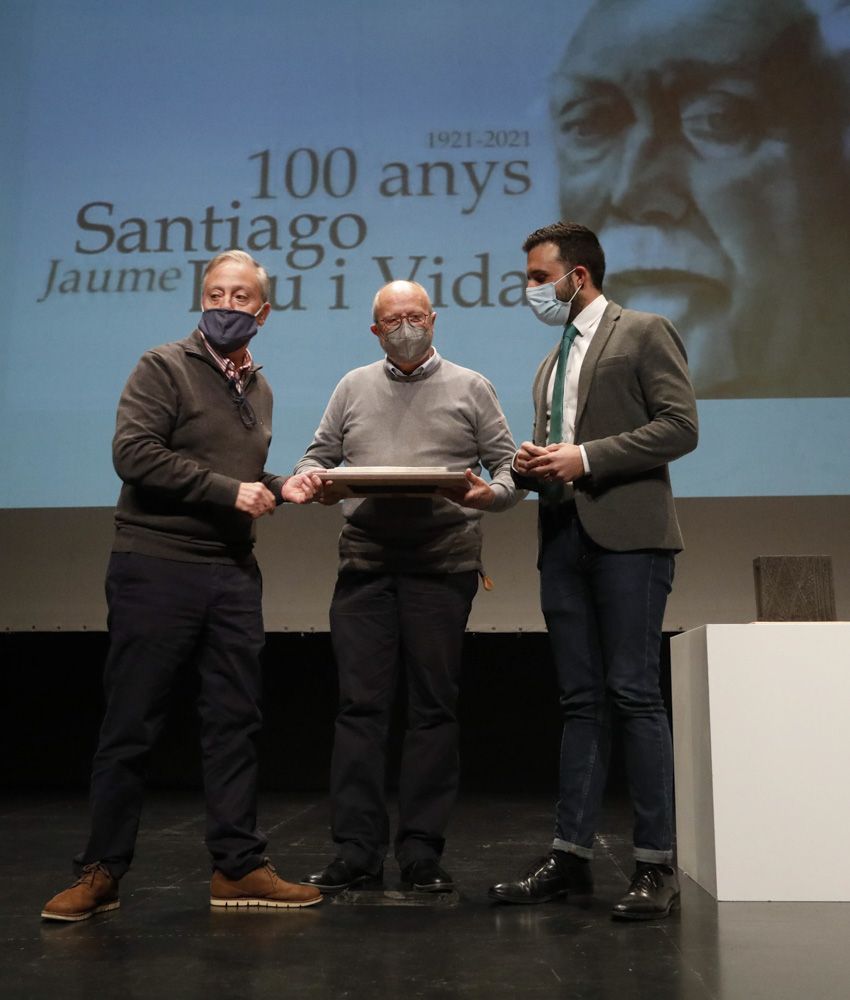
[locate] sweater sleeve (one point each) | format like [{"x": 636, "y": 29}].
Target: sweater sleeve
[
  {"x": 325, "y": 450},
  {"x": 141, "y": 452},
  {"x": 496, "y": 447}
]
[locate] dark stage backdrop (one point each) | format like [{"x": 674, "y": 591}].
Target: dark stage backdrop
[{"x": 510, "y": 721}]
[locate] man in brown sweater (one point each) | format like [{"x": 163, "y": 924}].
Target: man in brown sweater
[{"x": 191, "y": 441}]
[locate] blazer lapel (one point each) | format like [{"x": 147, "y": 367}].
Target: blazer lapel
[
  {"x": 540, "y": 389},
  {"x": 597, "y": 345}
]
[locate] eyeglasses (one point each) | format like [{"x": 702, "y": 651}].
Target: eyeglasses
[
  {"x": 246, "y": 411},
  {"x": 390, "y": 323}
]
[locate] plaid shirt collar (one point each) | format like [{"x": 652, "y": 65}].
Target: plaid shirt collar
[{"x": 227, "y": 367}]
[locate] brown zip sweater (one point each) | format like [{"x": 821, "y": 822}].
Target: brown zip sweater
[{"x": 182, "y": 449}]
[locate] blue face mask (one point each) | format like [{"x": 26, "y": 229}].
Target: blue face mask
[
  {"x": 228, "y": 330},
  {"x": 546, "y": 306}
]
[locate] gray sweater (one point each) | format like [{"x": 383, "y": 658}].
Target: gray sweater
[
  {"x": 182, "y": 449},
  {"x": 450, "y": 417}
]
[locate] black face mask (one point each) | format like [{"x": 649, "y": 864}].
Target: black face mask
[{"x": 228, "y": 329}]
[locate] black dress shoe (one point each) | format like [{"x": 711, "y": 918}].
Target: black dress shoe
[
  {"x": 426, "y": 876},
  {"x": 340, "y": 875},
  {"x": 559, "y": 874},
  {"x": 653, "y": 893}
]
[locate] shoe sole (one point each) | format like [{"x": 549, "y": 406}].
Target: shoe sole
[
  {"x": 257, "y": 903},
  {"x": 76, "y": 917},
  {"x": 363, "y": 882},
  {"x": 570, "y": 897},
  {"x": 660, "y": 915}
]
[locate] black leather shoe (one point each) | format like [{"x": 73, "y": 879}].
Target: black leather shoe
[
  {"x": 653, "y": 893},
  {"x": 340, "y": 875},
  {"x": 426, "y": 876},
  {"x": 558, "y": 874}
]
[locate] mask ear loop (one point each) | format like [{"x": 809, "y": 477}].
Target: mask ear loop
[{"x": 559, "y": 280}]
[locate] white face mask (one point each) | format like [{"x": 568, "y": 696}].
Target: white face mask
[{"x": 546, "y": 306}]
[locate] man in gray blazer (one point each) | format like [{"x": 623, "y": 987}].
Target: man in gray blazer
[{"x": 613, "y": 406}]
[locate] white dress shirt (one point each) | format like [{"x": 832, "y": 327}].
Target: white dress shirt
[{"x": 587, "y": 323}]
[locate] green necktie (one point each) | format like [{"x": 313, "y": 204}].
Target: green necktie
[
  {"x": 556, "y": 414},
  {"x": 553, "y": 493}
]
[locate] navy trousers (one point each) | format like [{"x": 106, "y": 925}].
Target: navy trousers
[
  {"x": 163, "y": 613},
  {"x": 604, "y": 612},
  {"x": 378, "y": 622}
]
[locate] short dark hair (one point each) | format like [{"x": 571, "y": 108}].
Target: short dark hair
[{"x": 576, "y": 245}]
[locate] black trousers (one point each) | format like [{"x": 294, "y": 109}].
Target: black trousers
[
  {"x": 379, "y": 621},
  {"x": 161, "y": 614}
]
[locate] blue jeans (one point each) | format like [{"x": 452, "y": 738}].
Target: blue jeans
[{"x": 604, "y": 612}]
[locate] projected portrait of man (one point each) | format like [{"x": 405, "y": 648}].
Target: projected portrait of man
[{"x": 703, "y": 142}]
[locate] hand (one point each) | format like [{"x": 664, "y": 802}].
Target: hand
[
  {"x": 526, "y": 454},
  {"x": 326, "y": 494},
  {"x": 478, "y": 493},
  {"x": 302, "y": 488},
  {"x": 254, "y": 499},
  {"x": 558, "y": 463}
]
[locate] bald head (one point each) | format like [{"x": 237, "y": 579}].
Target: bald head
[
  {"x": 688, "y": 140},
  {"x": 709, "y": 30},
  {"x": 404, "y": 323},
  {"x": 406, "y": 289}
]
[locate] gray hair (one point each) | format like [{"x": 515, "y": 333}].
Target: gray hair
[{"x": 240, "y": 257}]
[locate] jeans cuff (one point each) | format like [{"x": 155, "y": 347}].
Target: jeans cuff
[
  {"x": 567, "y": 847},
  {"x": 653, "y": 857}
]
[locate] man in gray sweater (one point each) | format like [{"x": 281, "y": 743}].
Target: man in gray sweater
[
  {"x": 408, "y": 572},
  {"x": 191, "y": 440}
]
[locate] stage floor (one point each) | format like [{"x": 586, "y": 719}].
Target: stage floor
[{"x": 165, "y": 941}]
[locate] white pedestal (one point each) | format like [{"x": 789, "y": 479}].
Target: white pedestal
[{"x": 761, "y": 734}]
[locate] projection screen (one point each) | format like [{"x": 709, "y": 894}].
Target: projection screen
[{"x": 344, "y": 144}]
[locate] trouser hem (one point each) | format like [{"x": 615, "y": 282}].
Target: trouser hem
[
  {"x": 117, "y": 869},
  {"x": 568, "y": 848},
  {"x": 406, "y": 858},
  {"x": 369, "y": 863},
  {"x": 248, "y": 866},
  {"x": 653, "y": 857}
]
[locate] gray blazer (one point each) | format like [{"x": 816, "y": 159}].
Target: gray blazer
[{"x": 636, "y": 412}]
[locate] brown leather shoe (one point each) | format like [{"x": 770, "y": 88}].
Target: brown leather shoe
[
  {"x": 260, "y": 887},
  {"x": 95, "y": 891}
]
